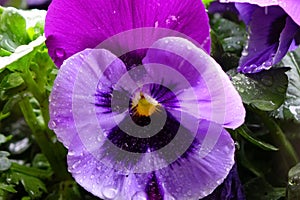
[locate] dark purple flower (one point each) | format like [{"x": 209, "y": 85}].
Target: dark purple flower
[
  {"x": 273, "y": 31},
  {"x": 143, "y": 115},
  {"x": 39, "y": 4},
  {"x": 3, "y": 2}
]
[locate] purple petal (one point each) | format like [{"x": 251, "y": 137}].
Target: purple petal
[
  {"x": 286, "y": 38},
  {"x": 72, "y": 26},
  {"x": 266, "y": 28},
  {"x": 198, "y": 82},
  {"x": 217, "y": 7},
  {"x": 74, "y": 85},
  {"x": 291, "y": 7},
  {"x": 198, "y": 173},
  {"x": 195, "y": 175},
  {"x": 230, "y": 189}
]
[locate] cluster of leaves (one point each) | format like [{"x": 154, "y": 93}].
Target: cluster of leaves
[
  {"x": 267, "y": 142},
  {"x": 32, "y": 162}
]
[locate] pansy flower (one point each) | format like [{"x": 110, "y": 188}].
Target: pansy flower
[
  {"x": 138, "y": 102},
  {"x": 273, "y": 31}
]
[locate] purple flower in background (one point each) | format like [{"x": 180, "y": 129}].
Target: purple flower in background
[
  {"x": 39, "y": 4},
  {"x": 138, "y": 102},
  {"x": 273, "y": 31}
]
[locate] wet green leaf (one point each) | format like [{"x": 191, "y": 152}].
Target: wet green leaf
[
  {"x": 21, "y": 58},
  {"x": 33, "y": 186},
  {"x": 11, "y": 81},
  {"x": 293, "y": 188},
  {"x": 265, "y": 90},
  {"x": 8, "y": 188},
  {"x": 40, "y": 161},
  {"x": 291, "y": 107},
  {"x": 228, "y": 39},
  {"x": 13, "y": 29},
  {"x": 245, "y": 132}
]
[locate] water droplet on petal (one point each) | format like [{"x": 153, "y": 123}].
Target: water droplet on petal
[
  {"x": 109, "y": 192},
  {"x": 52, "y": 124},
  {"x": 139, "y": 196},
  {"x": 245, "y": 52},
  {"x": 60, "y": 53},
  {"x": 267, "y": 80},
  {"x": 169, "y": 197},
  {"x": 75, "y": 165}
]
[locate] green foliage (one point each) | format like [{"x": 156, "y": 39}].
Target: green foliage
[
  {"x": 265, "y": 90},
  {"x": 290, "y": 109},
  {"x": 260, "y": 189}
]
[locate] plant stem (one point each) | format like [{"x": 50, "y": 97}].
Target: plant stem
[{"x": 53, "y": 151}]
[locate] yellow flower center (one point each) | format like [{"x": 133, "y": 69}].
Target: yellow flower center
[{"x": 144, "y": 105}]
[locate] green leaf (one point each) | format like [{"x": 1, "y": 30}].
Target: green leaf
[
  {"x": 19, "y": 27},
  {"x": 22, "y": 56},
  {"x": 11, "y": 81},
  {"x": 293, "y": 188},
  {"x": 207, "y": 2},
  {"x": 33, "y": 186},
  {"x": 245, "y": 132},
  {"x": 65, "y": 190},
  {"x": 40, "y": 161},
  {"x": 228, "y": 39},
  {"x": 265, "y": 90},
  {"x": 13, "y": 29},
  {"x": 290, "y": 110},
  {"x": 8, "y": 188},
  {"x": 259, "y": 189}
]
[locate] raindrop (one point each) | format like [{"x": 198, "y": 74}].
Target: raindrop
[
  {"x": 267, "y": 80},
  {"x": 109, "y": 192},
  {"x": 52, "y": 124},
  {"x": 245, "y": 52},
  {"x": 75, "y": 165},
  {"x": 169, "y": 197},
  {"x": 139, "y": 196},
  {"x": 240, "y": 89},
  {"x": 60, "y": 53},
  {"x": 172, "y": 19},
  {"x": 266, "y": 10}
]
